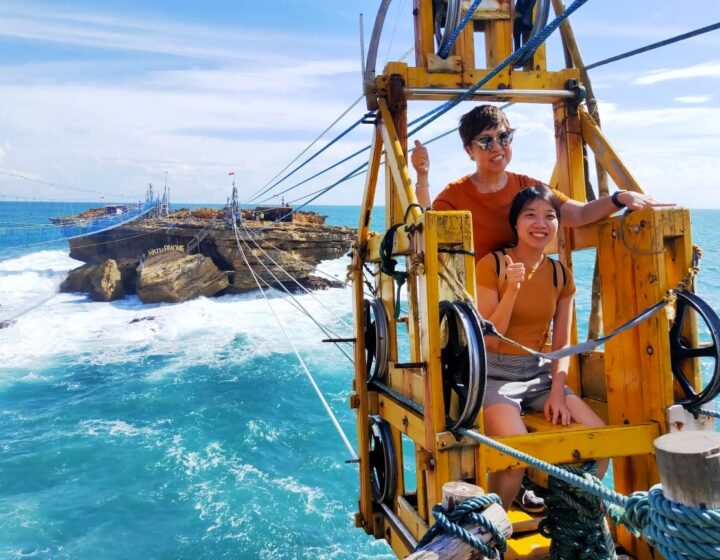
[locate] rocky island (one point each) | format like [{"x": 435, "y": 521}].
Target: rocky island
[{"x": 186, "y": 254}]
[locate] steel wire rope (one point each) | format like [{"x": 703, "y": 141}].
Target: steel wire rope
[
  {"x": 653, "y": 46},
  {"x": 445, "y": 48},
  {"x": 357, "y": 153},
  {"x": 291, "y": 277},
  {"x": 29, "y": 309},
  {"x": 57, "y": 185},
  {"x": 317, "y": 390},
  {"x": 59, "y": 240},
  {"x": 531, "y": 45},
  {"x": 295, "y": 303},
  {"x": 255, "y": 195},
  {"x": 298, "y": 259},
  {"x": 400, "y": 6},
  {"x": 303, "y": 164},
  {"x": 297, "y": 157},
  {"x": 331, "y": 277}
]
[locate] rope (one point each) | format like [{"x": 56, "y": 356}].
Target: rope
[
  {"x": 575, "y": 520},
  {"x": 654, "y": 45},
  {"x": 705, "y": 411},
  {"x": 290, "y": 276},
  {"x": 458, "y": 29},
  {"x": 669, "y": 299},
  {"x": 297, "y": 157},
  {"x": 408, "y": 402},
  {"x": 315, "y": 387},
  {"x": 594, "y": 487},
  {"x": 588, "y": 345},
  {"x": 468, "y": 512},
  {"x": 316, "y": 154},
  {"x": 530, "y": 46},
  {"x": 327, "y": 331},
  {"x": 679, "y": 531}
]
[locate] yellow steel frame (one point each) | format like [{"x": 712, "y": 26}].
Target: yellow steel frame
[{"x": 640, "y": 256}]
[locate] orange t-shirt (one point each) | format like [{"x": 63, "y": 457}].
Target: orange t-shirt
[
  {"x": 534, "y": 306},
  {"x": 490, "y": 211}
]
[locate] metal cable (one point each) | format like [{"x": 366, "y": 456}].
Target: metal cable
[
  {"x": 653, "y": 46},
  {"x": 324, "y": 402}
]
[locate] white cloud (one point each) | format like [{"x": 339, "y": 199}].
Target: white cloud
[
  {"x": 693, "y": 98},
  {"x": 704, "y": 70}
]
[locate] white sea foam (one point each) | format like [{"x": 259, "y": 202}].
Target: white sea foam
[
  {"x": 114, "y": 428},
  {"x": 193, "y": 332}
]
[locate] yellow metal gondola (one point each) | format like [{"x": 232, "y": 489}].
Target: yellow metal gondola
[{"x": 640, "y": 257}]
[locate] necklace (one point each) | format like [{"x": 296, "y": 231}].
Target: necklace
[{"x": 488, "y": 189}]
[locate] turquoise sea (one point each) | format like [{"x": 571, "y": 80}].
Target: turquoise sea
[{"x": 184, "y": 431}]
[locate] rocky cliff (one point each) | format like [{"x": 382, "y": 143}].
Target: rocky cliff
[{"x": 264, "y": 246}]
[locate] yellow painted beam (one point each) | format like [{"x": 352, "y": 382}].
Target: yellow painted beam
[
  {"x": 571, "y": 445},
  {"x": 605, "y": 154},
  {"x": 396, "y": 162},
  {"x": 401, "y": 418},
  {"x": 359, "y": 383}
]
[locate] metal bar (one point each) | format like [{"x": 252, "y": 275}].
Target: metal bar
[{"x": 416, "y": 92}]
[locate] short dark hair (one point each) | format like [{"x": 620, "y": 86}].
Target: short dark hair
[
  {"x": 478, "y": 119},
  {"x": 527, "y": 195}
]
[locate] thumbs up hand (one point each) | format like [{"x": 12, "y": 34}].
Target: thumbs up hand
[
  {"x": 420, "y": 160},
  {"x": 514, "y": 273}
]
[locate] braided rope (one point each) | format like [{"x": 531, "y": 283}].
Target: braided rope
[
  {"x": 466, "y": 513},
  {"x": 458, "y": 29},
  {"x": 530, "y": 46},
  {"x": 575, "y": 520},
  {"x": 408, "y": 402}
]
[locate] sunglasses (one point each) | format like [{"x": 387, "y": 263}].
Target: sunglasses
[{"x": 485, "y": 143}]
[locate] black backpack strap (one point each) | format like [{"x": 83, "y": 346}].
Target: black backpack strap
[{"x": 559, "y": 276}]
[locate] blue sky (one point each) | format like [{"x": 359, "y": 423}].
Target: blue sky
[{"x": 107, "y": 96}]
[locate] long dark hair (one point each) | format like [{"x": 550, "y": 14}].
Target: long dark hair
[{"x": 527, "y": 195}]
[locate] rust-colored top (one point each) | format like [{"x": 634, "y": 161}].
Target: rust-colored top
[
  {"x": 490, "y": 211},
  {"x": 535, "y": 303}
]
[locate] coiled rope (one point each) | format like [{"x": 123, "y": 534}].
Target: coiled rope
[
  {"x": 575, "y": 519},
  {"x": 467, "y": 512}
]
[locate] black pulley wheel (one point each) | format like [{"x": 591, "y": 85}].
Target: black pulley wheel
[
  {"x": 681, "y": 351},
  {"x": 463, "y": 362},
  {"x": 382, "y": 461},
  {"x": 375, "y": 337}
]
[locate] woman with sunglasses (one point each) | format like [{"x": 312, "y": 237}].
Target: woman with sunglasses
[
  {"x": 487, "y": 193},
  {"x": 522, "y": 291}
]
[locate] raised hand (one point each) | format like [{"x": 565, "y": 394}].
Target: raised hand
[
  {"x": 420, "y": 160},
  {"x": 514, "y": 273}
]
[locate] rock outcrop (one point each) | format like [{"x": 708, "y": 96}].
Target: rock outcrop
[
  {"x": 103, "y": 281},
  {"x": 175, "y": 277},
  {"x": 219, "y": 261}
]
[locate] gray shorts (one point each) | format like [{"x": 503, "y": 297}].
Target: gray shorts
[{"x": 523, "y": 381}]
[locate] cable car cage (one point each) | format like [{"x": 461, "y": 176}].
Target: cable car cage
[{"x": 640, "y": 256}]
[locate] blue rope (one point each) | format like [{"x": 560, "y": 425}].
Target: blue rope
[
  {"x": 679, "y": 531},
  {"x": 458, "y": 29},
  {"x": 654, "y": 45},
  {"x": 575, "y": 520},
  {"x": 308, "y": 160},
  {"x": 333, "y": 166},
  {"x": 682, "y": 532},
  {"x": 531, "y": 45},
  {"x": 466, "y": 513}
]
